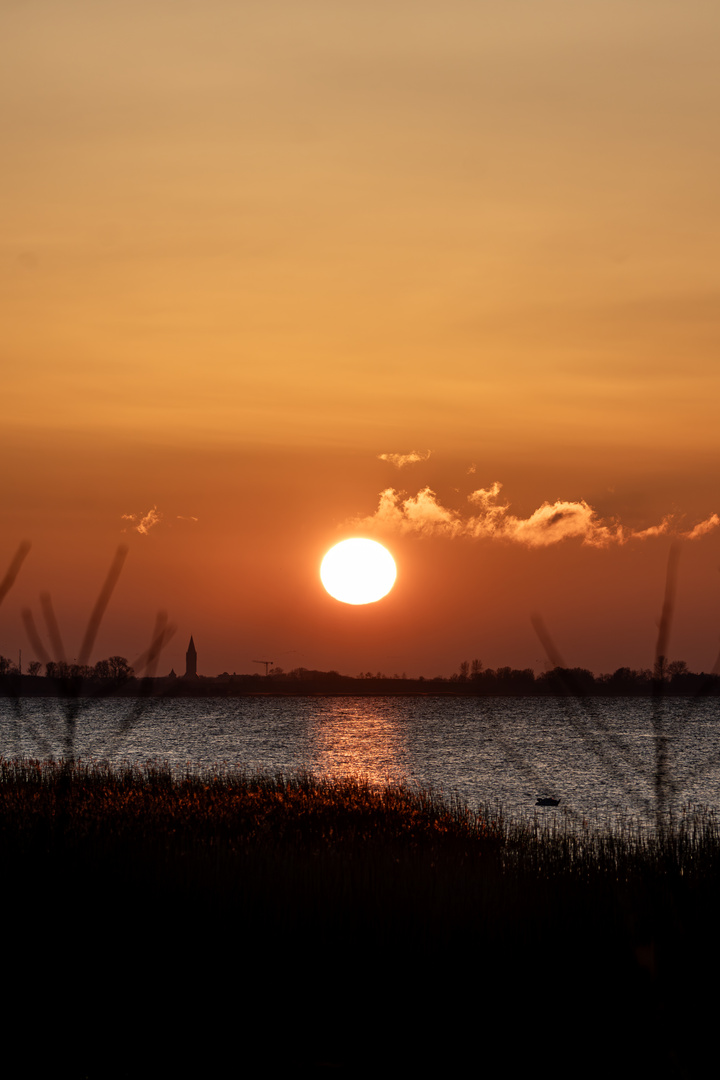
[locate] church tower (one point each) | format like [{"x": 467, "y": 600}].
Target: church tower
[{"x": 191, "y": 661}]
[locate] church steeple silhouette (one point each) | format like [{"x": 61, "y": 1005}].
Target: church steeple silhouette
[{"x": 191, "y": 660}]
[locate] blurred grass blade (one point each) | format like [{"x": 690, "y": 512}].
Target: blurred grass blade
[
  {"x": 101, "y": 604},
  {"x": 162, "y": 634},
  {"x": 547, "y": 642},
  {"x": 52, "y": 626},
  {"x": 14, "y": 569},
  {"x": 667, "y": 611}
]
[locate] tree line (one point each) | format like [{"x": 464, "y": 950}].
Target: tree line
[
  {"x": 114, "y": 667},
  {"x": 673, "y": 678}
]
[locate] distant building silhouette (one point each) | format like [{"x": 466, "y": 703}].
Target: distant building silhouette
[{"x": 191, "y": 661}]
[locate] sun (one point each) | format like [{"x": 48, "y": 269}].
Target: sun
[{"x": 358, "y": 571}]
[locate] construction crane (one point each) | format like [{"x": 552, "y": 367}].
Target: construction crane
[{"x": 267, "y": 664}]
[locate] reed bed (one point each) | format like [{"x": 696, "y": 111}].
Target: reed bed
[{"x": 337, "y": 924}]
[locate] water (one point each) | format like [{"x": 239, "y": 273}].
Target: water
[{"x": 596, "y": 756}]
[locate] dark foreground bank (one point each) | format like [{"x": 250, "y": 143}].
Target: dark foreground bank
[{"x": 237, "y": 925}]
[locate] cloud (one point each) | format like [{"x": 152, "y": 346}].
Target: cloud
[
  {"x": 400, "y": 460},
  {"x": 665, "y": 526},
  {"x": 488, "y": 517},
  {"x": 703, "y": 527},
  {"x": 143, "y": 524}
]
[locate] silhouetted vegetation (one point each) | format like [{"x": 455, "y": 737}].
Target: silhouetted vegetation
[
  {"x": 311, "y": 922},
  {"x": 76, "y": 682}
]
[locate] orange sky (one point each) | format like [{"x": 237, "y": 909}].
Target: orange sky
[{"x": 248, "y": 248}]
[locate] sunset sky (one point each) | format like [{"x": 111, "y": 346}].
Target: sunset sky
[{"x": 444, "y": 275}]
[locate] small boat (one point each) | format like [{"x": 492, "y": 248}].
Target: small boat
[{"x": 545, "y": 801}]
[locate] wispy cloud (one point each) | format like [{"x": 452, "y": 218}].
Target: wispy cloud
[
  {"x": 143, "y": 523},
  {"x": 703, "y": 527},
  {"x": 401, "y": 460},
  {"x": 488, "y": 517}
]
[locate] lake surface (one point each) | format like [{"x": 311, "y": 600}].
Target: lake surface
[{"x": 596, "y": 755}]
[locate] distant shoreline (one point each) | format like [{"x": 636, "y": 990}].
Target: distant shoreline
[{"x": 560, "y": 682}]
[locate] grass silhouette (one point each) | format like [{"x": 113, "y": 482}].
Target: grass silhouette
[
  {"x": 73, "y": 703},
  {"x": 615, "y": 753},
  {"x": 336, "y": 924}
]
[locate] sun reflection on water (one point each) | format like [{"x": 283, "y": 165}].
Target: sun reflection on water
[{"x": 360, "y": 739}]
